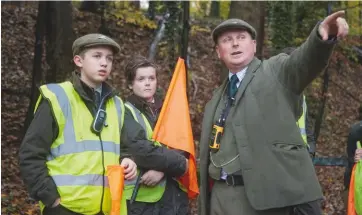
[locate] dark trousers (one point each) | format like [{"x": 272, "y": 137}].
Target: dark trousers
[
  {"x": 60, "y": 210},
  {"x": 173, "y": 202},
  {"x": 232, "y": 200}
]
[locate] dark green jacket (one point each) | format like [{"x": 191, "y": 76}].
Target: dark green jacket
[{"x": 275, "y": 164}]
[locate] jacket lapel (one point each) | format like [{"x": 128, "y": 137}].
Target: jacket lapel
[
  {"x": 210, "y": 109},
  {"x": 208, "y": 118},
  {"x": 253, "y": 66}
]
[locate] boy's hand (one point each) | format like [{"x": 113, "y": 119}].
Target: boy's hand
[
  {"x": 152, "y": 177},
  {"x": 130, "y": 168},
  {"x": 56, "y": 203},
  {"x": 187, "y": 166},
  {"x": 358, "y": 155}
]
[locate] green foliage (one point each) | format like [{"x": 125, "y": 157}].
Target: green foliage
[
  {"x": 281, "y": 17},
  {"x": 130, "y": 16},
  {"x": 199, "y": 9},
  {"x": 306, "y": 17},
  {"x": 292, "y": 22},
  {"x": 173, "y": 31},
  {"x": 224, "y": 9},
  {"x": 195, "y": 29},
  {"x": 354, "y": 19}
]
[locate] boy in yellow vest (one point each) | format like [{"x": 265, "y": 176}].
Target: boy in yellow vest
[
  {"x": 79, "y": 128},
  {"x": 354, "y": 154}
]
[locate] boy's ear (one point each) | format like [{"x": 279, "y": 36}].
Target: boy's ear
[
  {"x": 130, "y": 87},
  {"x": 78, "y": 61}
]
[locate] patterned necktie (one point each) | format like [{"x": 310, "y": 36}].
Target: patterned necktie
[{"x": 232, "y": 86}]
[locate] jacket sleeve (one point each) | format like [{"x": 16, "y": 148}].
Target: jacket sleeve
[
  {"x": 146, "y": 155},
  {"x": 33, "y": 153},
  {"x": 297, "y": 70},
  {"x": 354, "y": 135}
]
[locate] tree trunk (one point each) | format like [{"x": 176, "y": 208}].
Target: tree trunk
[
  {"x": 60, "y": 37},
  {"x": 172, "y": 33},
  {"x": 185, "y": 36},
  {"x": 215, "y": 9},
  {"x": 151, "y": 11},
  {"x": 37, "y": 70},
  {"x": 252, "y": 12},
  {"x": 90, "y": 6},
  {"x": 103, "y": 29},
  {"x": 135, "y": 4}
]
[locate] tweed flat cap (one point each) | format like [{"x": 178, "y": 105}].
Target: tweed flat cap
[
  {"x": 90, "y": 40},
  {"x": 233, "y": 24}
]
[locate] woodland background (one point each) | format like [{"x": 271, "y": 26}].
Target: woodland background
[{"x": 36, "y": 40}]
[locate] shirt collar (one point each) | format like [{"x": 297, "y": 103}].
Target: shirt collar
[{"x": 240, "y": 74}]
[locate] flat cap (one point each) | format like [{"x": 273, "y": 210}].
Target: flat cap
[
  {"x": 90, "y": 40},
  {"x": 232, "y": 24}
]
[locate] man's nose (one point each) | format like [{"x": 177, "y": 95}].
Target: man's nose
[{"x": 235, "y": 42}]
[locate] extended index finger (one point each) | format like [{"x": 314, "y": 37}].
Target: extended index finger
[{"x": 334, "y": 16}]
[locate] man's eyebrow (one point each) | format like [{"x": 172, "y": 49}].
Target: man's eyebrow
[{"x": 98, "y": 52}]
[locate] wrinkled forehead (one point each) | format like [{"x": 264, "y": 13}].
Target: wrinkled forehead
[{"x": 234, "y": 32}]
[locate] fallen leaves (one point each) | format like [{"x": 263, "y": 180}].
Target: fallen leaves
[{"x": 17, "y": 55}]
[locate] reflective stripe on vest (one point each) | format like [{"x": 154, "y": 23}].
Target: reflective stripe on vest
[
  {"x": 76, "y": 156},
  {"x": 302, "y": 122},
  {"x": 145, "y": 193}
]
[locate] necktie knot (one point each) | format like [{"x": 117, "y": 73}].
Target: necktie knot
[{"x": 232, "y": 85}]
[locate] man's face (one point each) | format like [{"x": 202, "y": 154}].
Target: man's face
[
  {"x": 145, "y": 83},
  {"x": 236, "y": 49},
  {"x": 95, "y": 65}
]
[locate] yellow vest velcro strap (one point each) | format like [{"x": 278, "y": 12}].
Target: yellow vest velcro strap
[
  {"x": 71, "y": 147},
  {"x": 88, "y": 179}
]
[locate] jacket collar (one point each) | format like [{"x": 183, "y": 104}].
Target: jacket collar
[
  {"x": 142, "y": 105},
  {"x": 87, "y": 92}
]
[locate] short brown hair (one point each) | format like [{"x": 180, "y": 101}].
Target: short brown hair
[{"x": 136, "y": 63}]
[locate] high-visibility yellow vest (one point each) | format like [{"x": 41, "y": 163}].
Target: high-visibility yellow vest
[
  {"x": 145, "y": 193},
  {"x": 77, "y": 161},
  {"x": 302, "y": 122}
]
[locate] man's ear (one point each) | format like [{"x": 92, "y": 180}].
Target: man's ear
[
  {"x": 78, "y": 61},
  {"x": 217, "y": 51},
  {"x": 254, "y": 41},
  {"x": 130, "y": 87}
]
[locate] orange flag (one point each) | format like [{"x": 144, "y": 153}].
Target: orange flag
[
  {"x": 115, "y": 174},
  {"x": 351, "y": 210},
  {"x": 173, "y": 127}
]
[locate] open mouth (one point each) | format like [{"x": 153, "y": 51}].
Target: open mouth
[{"x": 236, "y": 53}]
